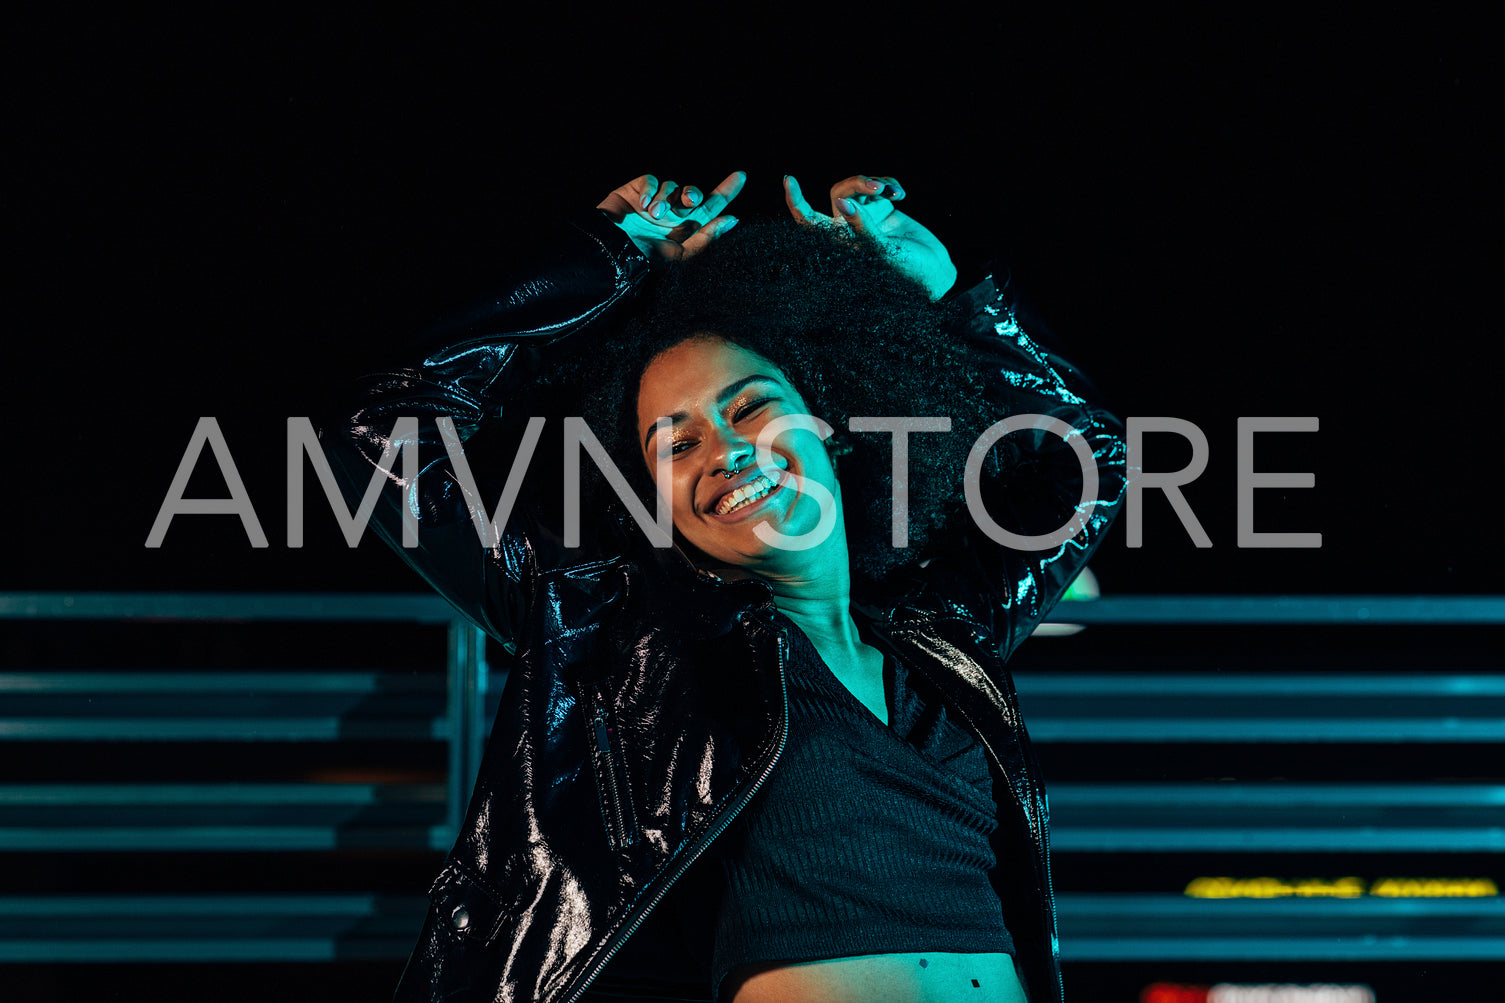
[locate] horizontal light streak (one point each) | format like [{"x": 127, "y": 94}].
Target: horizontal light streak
[{"x": 1343, "y": 888}]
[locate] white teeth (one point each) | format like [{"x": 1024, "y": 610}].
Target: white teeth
[{"x": 749, "y": 492}]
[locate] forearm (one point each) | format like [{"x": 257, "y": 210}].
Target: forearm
[
  {"x": 1036, "y": 482},
  {"x": 466, "y": 371}
]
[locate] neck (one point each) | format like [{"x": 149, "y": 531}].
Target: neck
[{"x": 819, "y": 604}]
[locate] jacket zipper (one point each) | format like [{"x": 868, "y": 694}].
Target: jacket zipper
[
  {"x": 691, "y": 855},
  {"x": 621, "y": 825},
  {"x": 1050, "y": 906}
]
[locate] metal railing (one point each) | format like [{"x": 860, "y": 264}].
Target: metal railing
[
  {"x": 309, "y": 705},
  {"x": 1126, "y": 707}
]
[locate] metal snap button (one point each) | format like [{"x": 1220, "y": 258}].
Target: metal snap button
[{"x": 460, "y": 918}]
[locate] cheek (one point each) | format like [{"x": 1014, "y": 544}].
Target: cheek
[
  {"x": 809, "y": 449},
  {"x": 681, "y": 491}
]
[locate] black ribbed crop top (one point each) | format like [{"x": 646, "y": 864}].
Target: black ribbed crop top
[{"x": 866, "y": 839}]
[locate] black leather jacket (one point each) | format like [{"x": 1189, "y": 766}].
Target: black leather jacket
[{"x": 646, "y": 704}]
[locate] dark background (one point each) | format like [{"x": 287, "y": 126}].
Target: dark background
[
  {"x": 1248, "y": 215},
  {"x": 1221, "y": 216}
]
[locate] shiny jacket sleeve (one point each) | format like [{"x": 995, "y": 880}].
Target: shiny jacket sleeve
[
  {"x": 1032, "y": 482},
  {"x": 467, "y": 369}
]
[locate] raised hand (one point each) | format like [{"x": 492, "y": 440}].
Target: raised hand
[
  {"x": 865, "y": 203},
  {"x": 668, "y": 222}
]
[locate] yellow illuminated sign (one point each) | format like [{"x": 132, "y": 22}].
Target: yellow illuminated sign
[
  {"x": 1343, "y": 888},
  {"x": 1434, "y": 888}
]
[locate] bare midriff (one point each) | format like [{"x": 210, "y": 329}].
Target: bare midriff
[{"x": 922, "y": 977}]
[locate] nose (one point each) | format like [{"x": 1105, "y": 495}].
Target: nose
[{"x": 733, "y": 454}]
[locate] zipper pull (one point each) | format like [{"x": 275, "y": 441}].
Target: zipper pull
[{"x": 603, "y": 729}]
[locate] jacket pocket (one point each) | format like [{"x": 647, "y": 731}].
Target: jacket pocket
[
  {"x": 465, "y": 907},
  {"x": 610, "y": 766}
]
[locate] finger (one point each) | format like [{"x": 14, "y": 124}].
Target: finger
[
  {"x": 848, "y": 211},
  {"x": 794, "y": 198},
  {"x": 891, "y": 188},
  {"x": 643, "y": 187},
  {"x": 701, "y": 238},
  {"x": 683, "y": 204},
  {"x": 858, "y": 186},
  {"x": 722, "y": 195},
  {"x": 661, "y": 206},
  {"x": 630, "y": 197}
]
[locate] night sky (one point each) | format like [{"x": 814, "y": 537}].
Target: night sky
[{"x": 1250, "y": 216}]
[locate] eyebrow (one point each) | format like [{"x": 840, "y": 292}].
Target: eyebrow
[{"x": 727, "y": 393}]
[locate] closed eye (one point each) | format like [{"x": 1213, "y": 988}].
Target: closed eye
[
  {"x": 752, "y": 407},
  {"x": 741, "y": 414}
]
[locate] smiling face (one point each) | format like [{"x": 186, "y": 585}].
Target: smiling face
[{"x": 719, "y": 397}]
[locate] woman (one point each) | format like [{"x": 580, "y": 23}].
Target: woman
[{"x": 781, "y": 758}]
